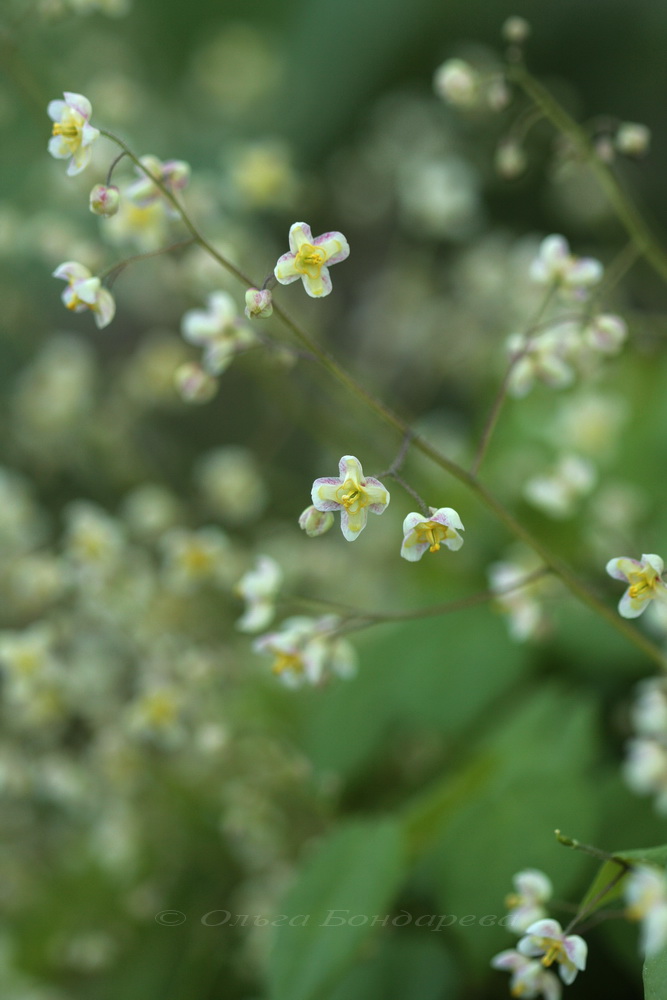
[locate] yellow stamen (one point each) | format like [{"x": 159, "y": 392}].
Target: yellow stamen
[
  {"x": 432, "y": 533},
  {"x": 288, "y": 661},
  {"x": 67, "y": 131},
  {"x": 310, "y": 260},
  {"x": 555, "y": 953},
  {"x": 351, "y": 497}
]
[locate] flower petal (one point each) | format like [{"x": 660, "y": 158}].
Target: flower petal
[
  {"x": 335, "y": 246},
  {"x": 285, "y": 271},
  {"x": 352, "y": 524},
  {"x": 317, "y": 287},
  {"x": 299, "y": 234}
]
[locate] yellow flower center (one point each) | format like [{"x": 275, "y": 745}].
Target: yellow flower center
[
  {"x": 310, "y": 260},
  {"x": 68, "y": 131},
  {"x": 197, "y": 560},
  {"x": 288, "y": 661},
  {"x": 555, "y": 952},
  {"x": 160, "y": 709},
  {"x": 642, "y": 582},
  {"x": 432, "y": 533},
  {"x": 351, "y": 496}
]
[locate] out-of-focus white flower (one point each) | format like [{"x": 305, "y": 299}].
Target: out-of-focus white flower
[
  {"x": 352, "y": 495},
  {"x": 258, "y": 302},
  {"x": 315, "y": 522},
  {"x": 310, "y": 259},
  {"x": 555, "y": 265},
  {"x": 632, "y": 139},
  {"x": 174, "y": 175},
  {"x": 645, "y": 770},
  {"x": 104, "y": 200},
  {"x": 421, "y": 534},
  {"x": 545, "y": 939},
  {"x": 232, "y": 486},
  {"x": 516, "y": 30},
  {"x": 546, "y": 358},
  {"x": 193, "y": 558},
  {"x": 646, "y": 898},
  {"x": 73, "y": 135},
  {"x": 458, "y": 83},
  {"x": 522, "y": 604},
  {"x": 532, "y": 889},
  {"x": 193, "y": 384},
  {"x": 529, "y": 977},
  {"x": 258, "y": 588},
  {"x": 307, "y": 652},
  {"x": 84, "y": 291},
  {"x": 156, "y": 713},
  {"x": 219, "y": 330},
  {"x": 605, "y": 333},
  {"x": 645, "y": 579},
  {"x": 649, "y": 712},
  {"x": 557, "y": 493},
  {"x": 93, "y": 541},
  {"x": 510, "y": 159}
]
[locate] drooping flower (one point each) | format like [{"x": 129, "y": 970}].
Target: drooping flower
[
  {"x": 529, "y": 977},
  {"x": 646, "y": 896},
  {"x": 307, "y": 651},
  {"x": 522, "y": 603},
  {"x": 558, "y": 492},
  {"x": 219, "y": 330},
  {"x": 72, "y": 134},
  {"x": 422, "y": 534},
  {"x": 351, "y": 494},
  {"x": 545, "y": 939},
  {"x": 532, "y": 889},
  {"x": 173, "y": 174},
  {"x": 310, "y": 259},
  {"x": 85, "y": 291},
  {"x": 555, "y": 265},
  {"x": 258, "y": 588},
  {"x": 645, "y": 579}
]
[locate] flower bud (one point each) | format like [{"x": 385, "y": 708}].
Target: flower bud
[
  {"x": 315, "y": 522},
  {"x": 104, "y": 200},
  {"x": 457, "y": 83},
  {"x": 510, "y": 160},
  {"x": 258, "y": 302},
  {"x": 194, "y": 385},
  {"x": 633, "y": 139},
  {"x": 516, "y": 30}
]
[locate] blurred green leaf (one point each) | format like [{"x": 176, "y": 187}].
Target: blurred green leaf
[
  {"x": 354, "y": 872},
  {"x": 655, "y": 976},
  {"x": 612, "y": 875}
]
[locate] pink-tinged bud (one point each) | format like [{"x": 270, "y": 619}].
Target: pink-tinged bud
[
  {"x": 633, "y": 139},
  {"x": 104, "y": 200},
  {"x": 315, "y": 522},
  {"x": 258, "y": 302},
  {"x": 194, "y": 385}
]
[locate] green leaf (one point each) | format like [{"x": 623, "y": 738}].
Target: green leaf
[
  {"x": 655, "y": 976},
  {"x": 354, "y": 874},
  {"x": 612, "y": 876}
]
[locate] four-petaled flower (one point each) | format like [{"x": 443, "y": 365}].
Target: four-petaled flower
[
  {"x": 429, "y": 533},
  {"x": 307, "y": 651},
  {"x": 310, "y": 259},
  {"x": 219, "y": 330},
  {"x": 645, "y": 579},
  {"x": 533, "y": 888},
  {"x": 352, "y": 495},
  {"x": 529, "y": 977},
  {"x": 546, "y": 939},
  {"x": 555, "y": 265},
  {"x": 84, "y": 291},
  {"x": 72, "y": 135},
  {"x": 646, "y": 896}
]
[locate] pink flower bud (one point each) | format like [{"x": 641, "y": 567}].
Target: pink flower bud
[
  {"x": 104, "y": 200},
  {"x": 315, "y": 522},
  {"x": 258, "y": 302}
]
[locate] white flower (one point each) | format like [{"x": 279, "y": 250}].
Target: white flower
[
  {"x": 645, "y": 579},
  {"x": 557, "y": 494},
  {"x": 649, "y": 712},
  {"x": 546, "y": 357},
  {"x": 84, "y": 291},
  {"x": 555, "y": 265},
  {"x": 219, "y": 330},
  {"x": 646, "y": 897},
  {"x": 310, "y": 259},
  {"x": 72, "y": 134},
  {"x": 521, "y": 604},
  {"x": 421, "y": 534},
  {"x": 173, "y": 174},
  {"x": 258, "y": 587},
  {"x": 532, "y": 888},
  {"x": 351, "y": 494},
  {"x": 632, "y": 139},
  {"x": 307, "y": 652},
  {"x": 546, "y": 939},
  {"x": 458, "y": 83},
  {"x": 645, "y": 770},
  {"x": 529, "y": 977}
]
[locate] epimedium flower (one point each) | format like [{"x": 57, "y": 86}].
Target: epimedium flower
[
  {"x": 645, "y": 579},
  {"x": 310, "y": 259},
  {"x": 315, "y": 522},
  {"x": 173, "y": 174},
  {"x": 258, "y": 302},
  {"x": 529, "y": 977},
  {"x": 258, "y": 588},
  {"x": 72, "y": 134},
  {"x": 219, "y": 330},
  {"x": 423, "y": 534},
  {"x": 351, "y": 494},
  {"x": 545, "y": 940},
  {"x": 556, "y": 265},
  {"x": 104, "y": 200},
  {"x": 85, "y": 291},
  {"x": 646, "y": 898},
  {"x": 532, "y": 889},
  {"x": 307, "y": 651}
]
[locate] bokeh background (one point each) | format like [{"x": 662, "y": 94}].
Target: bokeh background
[{"x": 150, "y": 763}]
